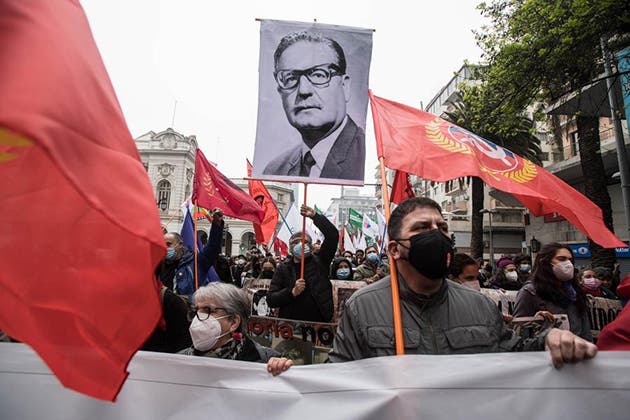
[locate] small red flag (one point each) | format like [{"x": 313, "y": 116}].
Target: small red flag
[
  {"x": 280, "y": 248},
  {"x": 76, "y": 285},
  {"x": 420, "y": 143},
  {"x": 213, "y": 189},
  {"x": 401, "y": 189},
  {"x": 260, "y": 194}
]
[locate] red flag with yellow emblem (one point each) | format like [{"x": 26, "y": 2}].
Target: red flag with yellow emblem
[
  {"x": 420, "y": 143},
  {"x": 81, "y": 234},
  {"x": 259, "y": 192},
  {"x": 213, "y": 189}
]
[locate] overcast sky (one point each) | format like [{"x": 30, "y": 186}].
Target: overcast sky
[{"x": 204, "y": 55}]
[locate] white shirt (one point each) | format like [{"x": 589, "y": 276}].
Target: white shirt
[{"x": 321, "y": 150}]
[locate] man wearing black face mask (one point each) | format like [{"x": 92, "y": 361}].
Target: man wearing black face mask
[{"x": 438, "y": 316}]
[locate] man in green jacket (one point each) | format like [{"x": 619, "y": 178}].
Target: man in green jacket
[
  {"x": 369, "y": 271},
  {"x": 438, "y": 316}
]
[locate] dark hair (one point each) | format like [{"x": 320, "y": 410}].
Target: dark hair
[
  {"x": 545, "y": 281},
  {"x": 295, "y": 37},
  {"x": 459, "y": 262},
  {"x": 406, "y": 207},
  {"x": 270, "y": 260},
  {"x": 335, "y": 266},
  {"x": 177, "y": 237},
  {"x": 520, "y": 258},
  {"x": 371, "y": 247}
]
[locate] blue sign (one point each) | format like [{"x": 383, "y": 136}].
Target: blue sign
[{"x": 583, "y": 251}]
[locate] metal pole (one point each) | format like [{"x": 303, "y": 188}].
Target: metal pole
[
  {"x": 622, "y": 157},
  {"x": 491, "y": 241}
]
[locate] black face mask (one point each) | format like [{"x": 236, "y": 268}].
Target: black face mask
[
  {"x": 267, "y": 274},
  {"x": 429, "y": 253}
]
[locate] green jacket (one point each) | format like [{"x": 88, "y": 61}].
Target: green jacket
[
  {"x": 454, "y": 320},
  {"x": 365, "y": 271}
]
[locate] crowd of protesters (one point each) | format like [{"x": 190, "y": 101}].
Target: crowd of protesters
[{"x": 438, "y": 287}]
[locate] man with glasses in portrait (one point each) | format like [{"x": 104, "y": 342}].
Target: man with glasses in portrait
[{"x": 310, "y": 71}]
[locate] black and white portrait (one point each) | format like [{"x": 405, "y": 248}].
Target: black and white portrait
[{"x": 312, "y": 103}]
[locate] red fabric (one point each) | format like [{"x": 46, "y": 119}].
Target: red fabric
[
  {"x": 280, "y": 248},
  {"x": 213, "y": 189},
  {"x": 77, "y": 285},
  {"x": 341, "y": 234},
  {"x": 420, "y": 143},
  {"x": 616, "y": 335},
  {"x": 257, "y": 190},
  {"x": 401, "y": 189}
]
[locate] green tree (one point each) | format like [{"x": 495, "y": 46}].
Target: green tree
[
  {"x": 514, "y": 131},
  {"x": 538, "y": 50}
]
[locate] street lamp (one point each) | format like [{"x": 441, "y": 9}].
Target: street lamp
[{"x": 490, "y": 211}]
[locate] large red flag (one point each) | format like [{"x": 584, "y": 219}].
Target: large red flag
[
  {"x": 401, "y": 188},
  {"x": 77, "y": 283},
  {"x": 213, "y": 189},
  {"x": 260, "y": 194},
  {"x": 420, "y": 143}
]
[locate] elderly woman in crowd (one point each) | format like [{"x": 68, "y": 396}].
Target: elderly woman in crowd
[
  {"x": 553, "y": 287},
  {"x": 218, "y": 328}
]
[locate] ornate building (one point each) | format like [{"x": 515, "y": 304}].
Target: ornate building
[{"x": 169, "y": 158}]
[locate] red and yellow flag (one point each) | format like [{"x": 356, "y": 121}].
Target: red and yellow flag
[
  {"x": 420, "y": 143},
  {"x": 76, "y": 285},
  {"x": 257, "y": 190},
  {"x": 213, "y": 189}
]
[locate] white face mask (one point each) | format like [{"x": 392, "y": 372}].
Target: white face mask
[
  {"x": 205, "y": 334},
  {"x": 511, "y": 275},
  {"x": 592, "y": 282},
  {"x": 563, "y": 270}
]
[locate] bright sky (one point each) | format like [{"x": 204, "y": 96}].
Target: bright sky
[{"x": 204, "y": 55}]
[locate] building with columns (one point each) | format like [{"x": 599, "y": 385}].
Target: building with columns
[{"x": 169, "y": 158}]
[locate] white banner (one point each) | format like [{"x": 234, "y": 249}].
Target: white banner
[{"x": 486, "y": 386}]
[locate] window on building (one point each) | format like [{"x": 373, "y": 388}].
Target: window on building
[
  {"x": 163, "y": 194},
  {"x": 187, "y": 191},
  {"x": 575, "y": 146},
  {"x": 280, "y": 197}
]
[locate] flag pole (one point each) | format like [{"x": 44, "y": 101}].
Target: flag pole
[
  {"x": 398, "y": 331},
  {"x": 303, "y": 235},
  {"x": 195, "y": 242}
]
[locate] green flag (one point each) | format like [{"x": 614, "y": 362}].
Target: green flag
[{"x": 355, "y": 219}]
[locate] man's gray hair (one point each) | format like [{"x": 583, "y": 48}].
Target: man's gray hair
[
  {"x": 298, "y": 235},
  {"x": 306, "y": 36},
  {"x": 234, "y": 300}
]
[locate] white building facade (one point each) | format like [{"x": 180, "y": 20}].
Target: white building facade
[{"x": 169, "y": 158}]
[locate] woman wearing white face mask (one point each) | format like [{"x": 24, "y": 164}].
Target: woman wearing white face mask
[
  {"x": 553, "y": 287},
  {"x": 507, "y": 276},
  {"x": 592, "y": 285},
  {"x": 218, "y": 328}
]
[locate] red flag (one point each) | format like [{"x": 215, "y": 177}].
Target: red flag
[
  {"x": 401, "y": 189},
  {"x": 260, "y": 194},
  {"x": 420, "y": 143},
  {"x": 341, "y": 235},
  {"x": 280, "y": 248},
  {"x": 213, "y": 189},
  {"x": 83, "y": 297}
]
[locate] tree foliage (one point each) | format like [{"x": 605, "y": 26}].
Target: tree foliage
[{"x": 538, "y": 50}]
